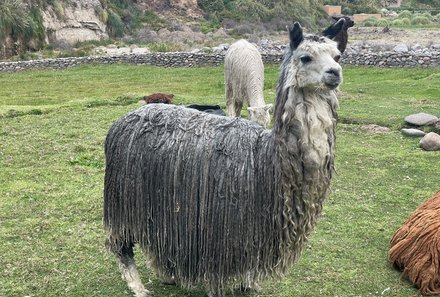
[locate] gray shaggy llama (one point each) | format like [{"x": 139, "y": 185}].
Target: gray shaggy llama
[
  {"x": 221, "y": 201},
  {"x": 244, "y": 82}
]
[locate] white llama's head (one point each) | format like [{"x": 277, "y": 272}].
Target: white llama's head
[
  {"x": 314, "y": 61},
  {"x": 260, "y": 114}
]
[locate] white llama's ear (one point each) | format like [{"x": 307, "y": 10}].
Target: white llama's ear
[
  {"x": 295, "y": 35},
  {"x": 334, "y": 29}
]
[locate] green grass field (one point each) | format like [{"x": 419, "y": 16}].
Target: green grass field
[{"x": 52, "y": 130}]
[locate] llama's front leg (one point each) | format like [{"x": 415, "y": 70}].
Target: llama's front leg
[
  {"x": 130, "y": 273},
  {"x": 216, "y": 290},
  {"x": 249, "y": 284}
]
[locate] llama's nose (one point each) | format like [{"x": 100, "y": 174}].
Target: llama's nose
[
  {"x": 333, "y": 77},
  {"x": 334, "y": 71}
]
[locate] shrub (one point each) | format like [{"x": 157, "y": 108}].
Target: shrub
[
  {"x": 398, "y": 22},
  {"x": 420, "y": 20},
  {"x": 58, "y": 8},
  {"x": 154, "y": 21},
  {"x": 211, "y": 6},
  {"x": 383, "y": 22},
  {"x": 405, "y": 14},
  {"x": 163, "y": 47},
  {"x": 115, "y": 25},
  {"x": 370, "y": 22}
]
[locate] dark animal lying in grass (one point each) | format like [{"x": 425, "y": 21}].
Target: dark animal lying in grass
[
  {"x": 342, "y": 37},
  {"x": 214, "y": 109},
  {"x": 159, "y": 98},
  {"x": 218, "y": 200},
  {"x": 415, "y": 247}
]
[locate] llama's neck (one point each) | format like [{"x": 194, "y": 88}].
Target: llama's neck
[{"x": 304, "y": 137}]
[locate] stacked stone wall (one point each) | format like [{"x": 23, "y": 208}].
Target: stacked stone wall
[{"x": 180, "y": 59}]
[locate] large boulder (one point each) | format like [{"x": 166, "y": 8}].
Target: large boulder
[
  {"x": 430, "y": 142},
  {"x": 421, "y": 119}
]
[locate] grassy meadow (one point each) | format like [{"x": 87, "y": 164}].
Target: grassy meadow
[{"x": 52, "y": 130}]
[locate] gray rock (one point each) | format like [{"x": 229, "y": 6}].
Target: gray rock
[
  {"x": 421, "y": 119},
  {"x": 430, "y": 142},
  {"x": 413, "y": 132},
  {"x": 401, "y": 48},
  {"x": 416, "y": 47}
]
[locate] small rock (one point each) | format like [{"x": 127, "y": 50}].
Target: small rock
[
  {"x": 401, "y": 48},
  {"x": 413, "y": 132},
  {"x": 421, "y": 119},
  {"x": 430, "y": 142},
  {"x": 416, "y": 47}
]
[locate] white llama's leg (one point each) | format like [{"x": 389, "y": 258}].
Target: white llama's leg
[
  {"x": 238, "y": 107},
  {"x": 230, "y": 102}
]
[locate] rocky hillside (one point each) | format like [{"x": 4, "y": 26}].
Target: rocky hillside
[{"x": 30, "y": 25}]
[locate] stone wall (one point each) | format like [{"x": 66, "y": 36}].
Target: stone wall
[{"x": 179, "y": 59}]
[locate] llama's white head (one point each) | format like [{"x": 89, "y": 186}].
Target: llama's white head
[
  {"x": 260, "y": 114},
  {"x": 314, "y": 61}
]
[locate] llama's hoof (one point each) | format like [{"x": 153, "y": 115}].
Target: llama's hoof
[
  {"x": 144, "y": 293},
  {"x": 253, "y": 288},
  {"x": 168, "y": 280},
  {"x": 210, "y": 294}
]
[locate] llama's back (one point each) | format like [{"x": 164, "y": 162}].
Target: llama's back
[{"x": 186, "y": 185}]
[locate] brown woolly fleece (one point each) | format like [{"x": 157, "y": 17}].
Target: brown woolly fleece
[
  {"x": 159, "y": 98},
  {"x": 415, "y": 247}
]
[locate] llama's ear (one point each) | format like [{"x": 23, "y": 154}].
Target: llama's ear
[
  {"x": 336, "y": 18},
  {"x": 334, "y": 29},
  {"x": 295, "y": 35},
  {"x": 268, "y": 107}
]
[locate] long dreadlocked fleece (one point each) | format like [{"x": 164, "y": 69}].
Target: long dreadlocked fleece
[
  {"x": 216, "y": 200},
  {"x": 415, "y": 247}
]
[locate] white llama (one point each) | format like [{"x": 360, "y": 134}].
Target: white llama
[{"x": 244, "y": 82}]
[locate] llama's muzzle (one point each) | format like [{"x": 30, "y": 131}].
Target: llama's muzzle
[{"x": 332, "y": 78}]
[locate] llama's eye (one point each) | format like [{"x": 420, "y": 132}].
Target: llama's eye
[
  {"x": 337, "y": 58},
  {"x": 305, "y": 59}
]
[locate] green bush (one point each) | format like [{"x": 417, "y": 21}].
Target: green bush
[
  {"x": 406, "y": 21},
  {"x": 405, "y": 14},
  {"x": 163, "y": 47},
  {"x": 383, "y": 22},
  {"x": 371, "y": 22},
  {"x": 58, "y": 8},
  {"x": 115, "y": 24},
  {"x": 398, "y": 22},
  {"x": 153, "y": 20},
  {"x": 211, "y": 6},
  {"x": 420, "y": 20}
]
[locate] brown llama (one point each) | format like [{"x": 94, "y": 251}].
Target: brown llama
[{"x": 415, "y": 247}]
